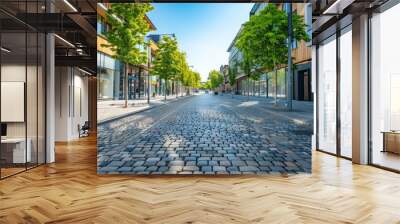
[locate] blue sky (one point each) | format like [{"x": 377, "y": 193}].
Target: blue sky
[{"x": 204, "y": 30}]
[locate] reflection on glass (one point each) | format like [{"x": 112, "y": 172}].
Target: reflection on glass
[
  {"x": 22, "y": 90},
  {"x": 31, "y": 98},
  {"x": 41, "y": 99},
  {"x": 327, "y": 95},
  {"x": 282, "y": 83},
  {"x": 385, "y": 84},
  {"x": 346, "y": 93},
  {"x": 15, "y": 149},
  {"x": 110, "y": 73}
]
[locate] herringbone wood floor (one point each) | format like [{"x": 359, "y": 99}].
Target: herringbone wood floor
[{"x": 70, "y": 191}]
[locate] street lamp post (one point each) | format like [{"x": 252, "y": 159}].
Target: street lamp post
[
  {"x": 148, "y": 72},
  {"x": 290, "y": 38}
]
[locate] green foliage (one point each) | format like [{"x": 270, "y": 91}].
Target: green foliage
[
  {"x": 185, "y": 74},
  {"x": 196, "y": 79},
  {"x": 206, "y": 85},
  {"x": 167, "y": 64},
  {"x": 171, "y": 64},
  {"x": 128, "y": 30},
  {"x": 248, "y": 67},
  {"x": 263, "y": 39},
  {"x": 215, "y": 78},
  {"x": 232, "y": 73}
]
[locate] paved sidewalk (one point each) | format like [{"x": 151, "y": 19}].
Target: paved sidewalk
[
  {"x": 114, "y": 109},
  {"x": 298, "y": 106},
  {"x": 207, "y": 134}
]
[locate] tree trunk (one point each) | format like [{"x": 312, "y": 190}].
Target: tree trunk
[
  {"x": 254, "y": 88},
  {"x": 126, "y": 86},
  {"x": 165, "y": 90},
  {"x": 276, "y": 86},
  {"x": 290, "y": 72},
  {"x": 148, "y": 87},
  {"x": 140, "y": 71},
  {"x": 248, "y": 87}
]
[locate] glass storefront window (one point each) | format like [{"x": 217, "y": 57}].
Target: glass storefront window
[
  {"x": 110, "y": 83},
  {"x": 106, "y": 81},
  {"x": 327, "y": 95},
  {"x": 385, "y": 89},
  {"x": 281, "y": 83},
  {"x": 346, "y": 92}
]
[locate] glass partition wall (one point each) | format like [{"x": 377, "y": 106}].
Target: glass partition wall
[
  {"x": 334, "y": 95},
  {"x": 22, "y": 88},
  {"x": 345, "y": 64},
  {"x": 385, "y": 89},
  {"x": 327, "y": 95}
]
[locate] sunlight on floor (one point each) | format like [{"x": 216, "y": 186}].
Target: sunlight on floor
[
  {"x": 297, "y": 121},
  {"x": 248, "y": 104}
]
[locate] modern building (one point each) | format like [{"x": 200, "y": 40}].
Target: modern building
[
  {"x": 111, "y": 78},
  {"x": 270, "y": 85},
  {"x": 224, "y": 70},
  {"x": 235, "y": 59},
  {"x": 356, "y": 81},
  {"x": 48, "y": 79}
]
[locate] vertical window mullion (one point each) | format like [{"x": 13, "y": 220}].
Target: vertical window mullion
[
  {"x": 338, "y": 98},
  {"x": 26, "y": 86},
  {"x": 37, "y": 90},
  {"x": 317, "y": 97},
  {"x": 0, "y": 90}
]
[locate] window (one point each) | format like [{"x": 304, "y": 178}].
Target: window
[
  {"x": 308, "y": 20},
  {"x": 110, "y": 75},
  {"x": 22, "y": 77},
  {"x": 385, "y": 89},
  {"x": 327, "y": 95},
  {"x": 346, "y": 93}
]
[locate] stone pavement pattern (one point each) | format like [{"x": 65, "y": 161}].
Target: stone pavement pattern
[
  {"x": 205, "y": 134},
  {"x": 110, "y": 109}
]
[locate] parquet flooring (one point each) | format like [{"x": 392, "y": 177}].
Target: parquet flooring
[{"x": 70, "y": 191}]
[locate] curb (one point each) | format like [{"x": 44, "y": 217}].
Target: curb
[{"x": 108, "y": 120}]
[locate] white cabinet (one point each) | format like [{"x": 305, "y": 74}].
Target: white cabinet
[{"x": 19, "y": 155}]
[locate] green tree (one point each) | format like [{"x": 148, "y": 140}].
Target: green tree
[
  {"x": 196, "y": 79},
  {"x": 185, "y": 74},
  {"x": 167, "y": 61},
  {"x": 247, "y": 66},
  {"x": 263, "y": 39},
  {"x": 126, "y": 36},
  {"x": 216, "y": 79},
  {"x": 232, "y": 73},
  {"x": 207, "y": 85}
]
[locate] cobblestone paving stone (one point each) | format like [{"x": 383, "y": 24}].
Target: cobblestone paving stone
[{"x": 204, "y": 135}]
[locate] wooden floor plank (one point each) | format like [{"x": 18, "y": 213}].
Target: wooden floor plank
[{"x": 70, "y": 191}]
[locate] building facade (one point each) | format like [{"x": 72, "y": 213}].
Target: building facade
[
  {"x": 111, "y": 78},
  {"x": 269, "y": 84},
  {"x": 357, "y": 81}
]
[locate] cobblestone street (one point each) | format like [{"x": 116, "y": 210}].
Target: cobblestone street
[{"x": 208, "y": 134}]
